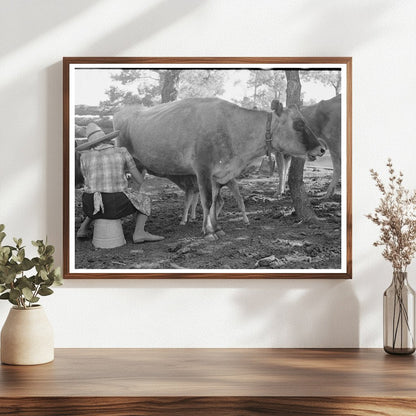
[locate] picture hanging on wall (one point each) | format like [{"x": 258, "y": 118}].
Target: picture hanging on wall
[{"x": 207, "y": 167}]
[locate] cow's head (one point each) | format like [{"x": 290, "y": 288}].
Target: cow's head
[{"x": 292, "y": 136}]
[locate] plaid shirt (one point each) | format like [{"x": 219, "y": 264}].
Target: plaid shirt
[{"x": 105, "y": 170}]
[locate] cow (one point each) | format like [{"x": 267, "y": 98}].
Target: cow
[
  {"x": 211, "y": 139},
  {"x": 323, "y": 120}
]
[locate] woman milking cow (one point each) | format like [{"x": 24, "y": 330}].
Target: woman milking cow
[{"x": 107, "y": 195}]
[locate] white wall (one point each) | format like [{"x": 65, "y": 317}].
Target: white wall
[{"x": 380, "y": 35}]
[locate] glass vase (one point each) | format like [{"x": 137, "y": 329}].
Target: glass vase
[{"x": 399, "y": 316}]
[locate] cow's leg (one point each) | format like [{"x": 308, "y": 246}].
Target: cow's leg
[
  {"x": 195, "y": 199},
  {"x": 217, "y": 202},
  {"x": 189, "y": 196},
  {"x": 280, "y": 160},
  {"x": 234, "y": 188},
  {"x": 283, "y": 164},
  {"x": 287, "y": 162},
  {"x": 205, "y": 191},
  {"x": 336, "y": 174},
  {"x": 220, "y": 204}
]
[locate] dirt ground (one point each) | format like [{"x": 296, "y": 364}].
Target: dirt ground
[{"x": 274, "y": 239}]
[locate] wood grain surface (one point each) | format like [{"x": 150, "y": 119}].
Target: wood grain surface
[{"x": 212, "y": 381}]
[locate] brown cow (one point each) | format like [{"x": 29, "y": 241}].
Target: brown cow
[
  {"x": 324, "y": 118},
  {"x": 209, "y": 138}
]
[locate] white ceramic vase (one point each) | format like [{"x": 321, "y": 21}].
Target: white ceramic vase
[{"x": 27, "y": 337}]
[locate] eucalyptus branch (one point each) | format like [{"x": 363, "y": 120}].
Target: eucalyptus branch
[{"x": 15, "y": 286}]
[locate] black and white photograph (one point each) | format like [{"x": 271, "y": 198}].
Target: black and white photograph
[{"x": 216, "y": 167}]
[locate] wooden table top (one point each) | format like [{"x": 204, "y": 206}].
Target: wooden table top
[{"x": 214, "y": 372}]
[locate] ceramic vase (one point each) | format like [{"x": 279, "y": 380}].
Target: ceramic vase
[{"x": 27, "y": 337}]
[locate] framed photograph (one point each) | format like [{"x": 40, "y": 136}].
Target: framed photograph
[{"x": 207, "y": 168}]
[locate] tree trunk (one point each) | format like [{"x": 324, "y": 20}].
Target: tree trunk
[
  {"x": 336, "y": 84},
  {"x": 168, "y": 81},
  {"x": 299, "y": 196},
  {"x": 293, "y": 88},
  {"x": 255, "y": 89}
]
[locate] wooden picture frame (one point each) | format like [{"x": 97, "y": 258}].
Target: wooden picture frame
[{"x": 279, "y": 244}]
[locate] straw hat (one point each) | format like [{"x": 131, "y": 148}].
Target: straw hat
[{"x": 95, "y": 135}]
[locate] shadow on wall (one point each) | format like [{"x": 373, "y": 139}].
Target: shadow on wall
[
  {"x": 44, "y": 16},
  {"x": 338, "y": 19},
  {"x": 290, "y": 313},
  {"x": 158, "y": 17}
]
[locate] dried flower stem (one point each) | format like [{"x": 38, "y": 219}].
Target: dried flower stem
[{"x": 396, "y": 216}]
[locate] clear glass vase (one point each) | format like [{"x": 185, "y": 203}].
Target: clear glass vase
[{"x": 399, "y": 316}]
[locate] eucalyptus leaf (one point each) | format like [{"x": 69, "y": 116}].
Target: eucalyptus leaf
[
  {"x": 27, "y": 293},
  {"x": 15, "y": 294},
  {"x": 9, "y": 277},
  {"x": 26, "y": 264},
  {"x": 14, "y": 302},
  {"x": 49, "y": 250},
  {"x": 45, "y": 291},
  {"x": 21, "y": 255},
  {"x": 58, "y": 277},
  {"x": 24, "y": 282},
  {"x": 5, "y": 250},
  {"x": 43, "y": 275}
]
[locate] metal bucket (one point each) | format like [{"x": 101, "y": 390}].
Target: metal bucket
[{"x": 108, "y": 234}]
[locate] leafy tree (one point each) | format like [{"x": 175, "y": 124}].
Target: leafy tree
[
  {"x": 267, "y": 85},
  {"x": 162, "y": 86},
  {"x": 330, "y": 78},
  {"x": 201, "y": 83},
  {"x": 117, "y": 98},
  {"x": 158, "y": 84}
]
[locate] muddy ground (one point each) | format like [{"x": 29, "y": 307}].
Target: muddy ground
[{"x": 274, "y": 239}]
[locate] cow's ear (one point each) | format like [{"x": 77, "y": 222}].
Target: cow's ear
[{"x": 277, "y": 107}]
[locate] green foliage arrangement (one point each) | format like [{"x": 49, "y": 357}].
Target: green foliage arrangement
[{"x": 15, "y": 286}]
